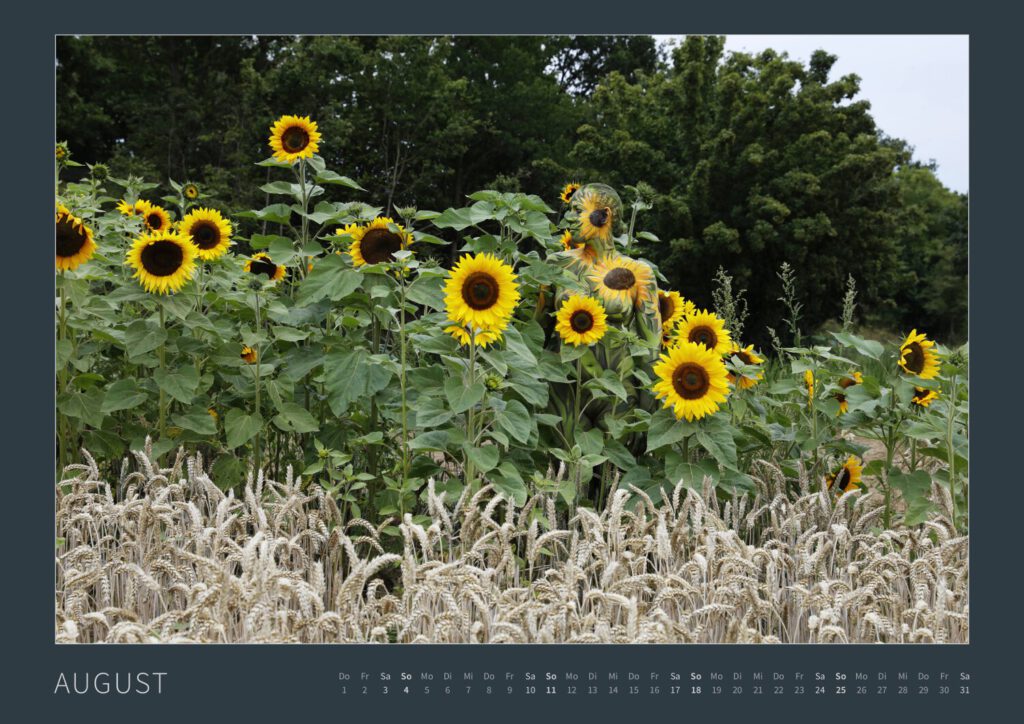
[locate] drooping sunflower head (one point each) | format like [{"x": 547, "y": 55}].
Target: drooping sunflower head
[
  {"x": 74, "y": 240},
  {"x": 673, "y": 307},
  {"x": 620, "y": 282},
  {"x": 190, "y": 191},
  {"x": 706, "y": 328},
  {"x": 294, "y": 137},
  {"x": 809, "y": 383},
  {"x": 846, "y": 382},
  {"x": 61, "y": 153},
  {"x": 208, "y": 231},
  {"x": 156, "y": 218},
  {"x": 918, "y": 357},
  {"x": 749, "y": 358},
  {"x": 464, "y": 336},
  {"x": 568, "y": 190},
  {"x": 248, "y": 355},
  {"x": 581, "y": 320},
  {"x": 597, "y": 211},
  {"x": 692, "y": 380},
  {"x": 163, "y": 261},
  {"x": 377, "y": 241},
  {"x": 924, "y": 397},
  {"x": 260, "y": 263},
  {"x": 481, "y": 291},
  {"x": 846, "y": 478}
]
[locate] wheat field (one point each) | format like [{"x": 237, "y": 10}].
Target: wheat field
[{"x": 163, "y": 555}]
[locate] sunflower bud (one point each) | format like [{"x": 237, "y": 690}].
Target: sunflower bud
[
  {"x": 100, "y": 172},
  {"x": 62, "y": 152},
  {"x": 493, "y": 382},
  {"x": 406, "y": 212}
]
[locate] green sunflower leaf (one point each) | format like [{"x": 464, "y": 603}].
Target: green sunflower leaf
[
  {"x": 516, "y": 421},
  {"x": 180, "y": 384},
  {"x": 485, "y": 458},
  {"x": 197, "y": 420},
  {"x": 665, "y": 429},
  {"x": 330, "y": 177},
  {"x": 240, "y": 427},
  {"x": 123, "y": 395},
  {"x": 291, "y": 417},
  {"x": 461, "y": 397}
]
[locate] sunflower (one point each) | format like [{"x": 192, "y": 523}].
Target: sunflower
[
  {"x": 809, "y": 381},
  {"x": 213, "y": 413},
  {"x": 596, "y": 218},
  {"x": 260, "y": 263},
  {"x": 163, "y": 261},
  {"x": 248, "y": 355},
  {"x": 706, "y": 328},
  {"x": 74, "y": 240},
  {"x": 846, "y": 478},
  {"x": 376, "y": 242},
  {"x": 568, "y": 190},
  {"x": 137, "y": 208},
  {"x": 190, "y": 191},
  {"x": 846, "y": 382},
  {"x": 924, "y": 397},
  {"x": 208, "y": 230},
  {"x": 621, "y": 281},
  {"x": 482, "y": 338},
  {"x": 673, "y": 308},
  {"x": 693, "y": 380},
  {"x": 581, "y": 320},
  {"x": 918, "y": 357},
  {"x": 568, "y": 244},
  {"x": 294, "y": 137},
  {"x": 481, "y": 291},
  {"x": 749, "y": 357},
  {"x": 61, "y": 151},
  {"x": 156, "y": 217}
]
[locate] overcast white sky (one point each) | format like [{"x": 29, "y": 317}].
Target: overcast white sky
[{"x": 917, "y": 85}]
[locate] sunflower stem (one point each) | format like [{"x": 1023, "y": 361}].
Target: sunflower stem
[
  {"x": 305, "y": 221},
  {"x": 162, "y": 355},
  {"x": 405, "y": 409},
  {"x": 578, "y": 473},
  {"x": 257, "y": 409},
  {"x": 950, "y": 453},
  {"x": 372, "y": 449},
  {"x": 62, "y": 377},
  {"x": 470, "y": 413}
]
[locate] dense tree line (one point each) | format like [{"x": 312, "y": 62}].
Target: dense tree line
[{"x": 749, "y": 161}]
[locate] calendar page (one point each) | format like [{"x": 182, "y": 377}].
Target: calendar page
[{"x": 596, "y": 359}]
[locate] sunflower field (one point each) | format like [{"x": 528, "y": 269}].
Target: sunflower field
[{"x": 390, "y": 361}]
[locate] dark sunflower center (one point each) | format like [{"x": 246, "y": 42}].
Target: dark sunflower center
[
  {"x": 599, "y": 217},
  {"x": 162, "y": 258},
  {"x": 705, "y": 336},
  {"x": 691, "y": 381},
  {"x": 581, "y": 321},
  {"x": 667, "y": 307},
  {"x": 294, "y": 139},
  {"x": 920, "y": 394},
  {"x": 842, "y": 477},
  {"x": 262, "y": 266},
  {"x": 744, "y": 357},
  {"x": 205, "y": 235},
  {"x": 379, "y": 245},
  {"x": 847, "y": 382},
  {"x": 480, "y": 290},
  {"x": 154, "y": 221},
  {"x": 913, "y": 357},
  {"x": 191, "y": 191},
  {"x": 619, "y": 278},
  {"x": 70, "y": 240}
]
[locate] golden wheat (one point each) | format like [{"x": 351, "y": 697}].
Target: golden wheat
[{"x": 166, "y": 556}]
